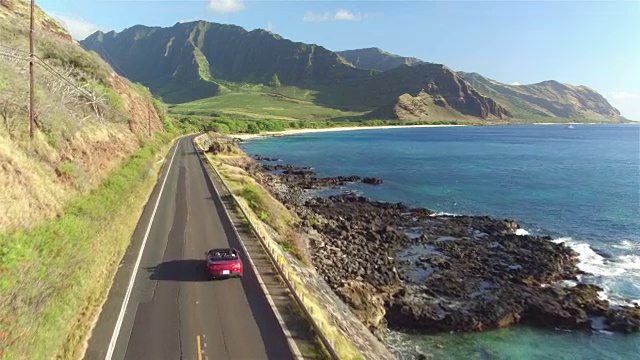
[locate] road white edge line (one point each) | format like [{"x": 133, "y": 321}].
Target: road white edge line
[
  {"x": 292, "y": 344},
  {"x": 125, "y": 302}
]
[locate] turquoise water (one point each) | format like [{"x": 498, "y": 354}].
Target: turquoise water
[{"x": 579, "y": 185}]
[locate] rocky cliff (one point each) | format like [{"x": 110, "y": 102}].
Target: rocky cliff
[
  {"x": 550, "y": 99},
  {"x": 445, "y": 89}
]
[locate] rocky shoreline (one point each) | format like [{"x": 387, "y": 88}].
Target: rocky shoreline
[{"x": 411, "y": 270}]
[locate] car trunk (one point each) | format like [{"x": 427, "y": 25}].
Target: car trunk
[{"x": 220, "y": 265}]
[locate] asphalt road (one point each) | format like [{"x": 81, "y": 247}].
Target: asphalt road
[{"x": 174, "y": 312}]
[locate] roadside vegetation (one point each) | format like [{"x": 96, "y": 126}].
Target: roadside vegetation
[
  {"x": 71, "y": 197},
  {"x": 266, "y": 208},
  {"x": 56, "y": 275},
  {"x": 277, "y": 224}
]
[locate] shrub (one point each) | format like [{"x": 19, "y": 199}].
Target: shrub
[{"x": 257, "y": 201}]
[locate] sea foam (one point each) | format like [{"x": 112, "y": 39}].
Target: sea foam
[
  {"x": 591, "y": 262},
  {"x": 607, "y": 273}
]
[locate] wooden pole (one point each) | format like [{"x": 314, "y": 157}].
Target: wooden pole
[
  {"x": 149, "y": 110},
  {"x": 32, "y": 112}
]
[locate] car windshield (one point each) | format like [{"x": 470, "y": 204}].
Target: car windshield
[{"x": 223, "y": 255}]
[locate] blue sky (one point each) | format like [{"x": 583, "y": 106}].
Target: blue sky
[{"x": 596, "y": 44}]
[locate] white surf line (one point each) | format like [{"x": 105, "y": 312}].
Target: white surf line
[
  {"x": 125, "y": 302},
  {"x": 292, "y": 344}
]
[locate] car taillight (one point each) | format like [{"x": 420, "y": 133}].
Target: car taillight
[{"x": 236, "y": 266}]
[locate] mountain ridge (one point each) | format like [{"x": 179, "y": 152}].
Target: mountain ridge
[
  {"x": 548, "y": 98},
  {"x": 196, "y": 60},
  {"x": 374, "y": 58}
]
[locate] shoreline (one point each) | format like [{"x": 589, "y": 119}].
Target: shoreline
[
  {"x": 292, "y": 132},
  {"x": 405, "y": 264},
  {"x": 392, "y": 274}
]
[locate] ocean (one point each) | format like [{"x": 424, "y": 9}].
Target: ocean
[{"x": 580, "y": 185}]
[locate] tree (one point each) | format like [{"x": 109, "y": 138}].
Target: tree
[
  {"x": 252, "y": 128},
  {"x": 275, "y": 81}
]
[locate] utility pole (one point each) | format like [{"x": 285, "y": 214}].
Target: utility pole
[
  {"x": 32, "y": 112},
  {"x": 149, "y": 109}
]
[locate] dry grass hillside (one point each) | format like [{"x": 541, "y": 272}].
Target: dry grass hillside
[
  {"x": 89, "y": 119},
  {"x": 71, "y": 197}
]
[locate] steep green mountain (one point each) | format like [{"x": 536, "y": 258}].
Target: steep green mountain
[
  {"x": 544, "y": 101},
  {"x": 547, "y": 99},
  {"x": 376, "y": 59},
  {"x": 197, "y": 60}
]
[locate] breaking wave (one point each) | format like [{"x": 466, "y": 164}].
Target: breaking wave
[{"x": 608, "y": 273}]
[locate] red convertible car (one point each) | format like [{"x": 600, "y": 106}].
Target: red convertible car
[{"x": 223, "y": 263}]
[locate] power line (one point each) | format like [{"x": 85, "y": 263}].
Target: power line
[
  {"x": 50, "y": 69},
  {"x": 62, "y": 77},
  {"x": 113, "y": 62},
  {"x": 90, "y": 96},
  {"x": 11, "y": 56},
  {"x": 32, "y": 62},
  {"x": 14, "y": 49}
]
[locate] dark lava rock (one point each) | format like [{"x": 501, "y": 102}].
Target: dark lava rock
[
  {"x": 264, "y": 158},
  {"x": 289, "y": 168},
  {"x": 372, "y": 181},
  {"x": 448, "y": 273},
  {"x": 624, "y": 319}
]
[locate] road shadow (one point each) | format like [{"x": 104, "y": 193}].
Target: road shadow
[{"x": 179, "y": 270}]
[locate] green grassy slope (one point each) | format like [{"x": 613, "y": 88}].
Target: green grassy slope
[{"x": 256, "y": 105}]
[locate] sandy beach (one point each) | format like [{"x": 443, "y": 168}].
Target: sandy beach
[{"x": 345, "y": 128}]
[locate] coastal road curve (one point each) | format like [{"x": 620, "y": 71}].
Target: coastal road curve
[{"x": 161, "y": 304}]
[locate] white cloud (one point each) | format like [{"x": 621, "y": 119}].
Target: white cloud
[
  {"x": 339, "y": 15},
  {"x": 270, "y": 26},
  {"x": 226, "y": 6},
  {"x": 77, "y": 27},
  {"x": 624, "y": 95},
  {"x": 347, "y": 15},
  {"x": 516, "y": 83}
]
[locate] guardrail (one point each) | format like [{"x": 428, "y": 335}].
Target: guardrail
[{"x": 278, "y": 260}]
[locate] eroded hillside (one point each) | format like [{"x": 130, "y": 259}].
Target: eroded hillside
[
  {"x": 70, "y": 198},
  {"x": 547, "y": 99},
  {"x": 88, "y": 119}
]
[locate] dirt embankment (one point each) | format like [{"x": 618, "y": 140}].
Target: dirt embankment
[
  {"x": 75, "y": 146},
  {"x": 40, "y": 176}
]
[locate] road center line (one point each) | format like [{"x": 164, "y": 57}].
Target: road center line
[
  {"x": 199, "y": 347},
  {"x": 125, "y": 302}
]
